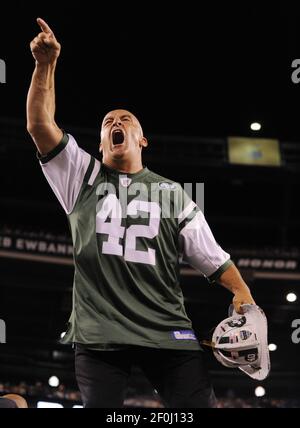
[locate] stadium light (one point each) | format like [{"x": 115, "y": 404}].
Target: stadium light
[
  {"x": 272, "y": 347},
  {"x": 255, "y": 126},
  {"x": 291, "y": 297},
  {"x": 53, "y": 381},
  {"x": 260, "y": 391},
  {"x": 49, "y": 405},
  {"x": 77, "y": 407}
]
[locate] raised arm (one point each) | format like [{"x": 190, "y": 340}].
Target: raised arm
[{"x": 41, "y": 96}]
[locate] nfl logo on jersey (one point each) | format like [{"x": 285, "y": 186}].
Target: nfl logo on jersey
[
  {"x": 167, "y": 186},
  {"x": 125, "y": 181}
]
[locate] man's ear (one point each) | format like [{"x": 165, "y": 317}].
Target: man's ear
[
  {"x": 100, "y": 147},
  {"x": 144, "y": 142}
]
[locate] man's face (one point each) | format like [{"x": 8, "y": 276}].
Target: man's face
[{"x": 121, "y": 136}]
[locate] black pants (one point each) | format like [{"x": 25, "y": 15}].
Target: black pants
[{"x": 180, "y": 377}]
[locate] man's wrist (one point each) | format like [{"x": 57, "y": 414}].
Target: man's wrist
[
  {"x": 45, "y": 65},
  {"x": 241, "y": 289}
]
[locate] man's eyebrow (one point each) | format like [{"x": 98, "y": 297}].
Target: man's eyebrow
[
  {"x": 107, "y": 118},
  {"x": 124, "y": 116}
]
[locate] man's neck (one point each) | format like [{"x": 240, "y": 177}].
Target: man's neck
[{"x": 126, "y": 167}]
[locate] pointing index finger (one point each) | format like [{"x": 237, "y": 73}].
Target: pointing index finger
[{"x": 44, "y": 26}]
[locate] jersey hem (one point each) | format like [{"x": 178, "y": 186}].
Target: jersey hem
[{"x": 184, "y": 345}]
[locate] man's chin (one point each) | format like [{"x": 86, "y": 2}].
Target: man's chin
[
  {"x": 118, "y": 152},
  {"x": 118, "y": 156}
]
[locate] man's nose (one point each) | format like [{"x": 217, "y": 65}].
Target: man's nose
[{"x": 117, "y": 121}]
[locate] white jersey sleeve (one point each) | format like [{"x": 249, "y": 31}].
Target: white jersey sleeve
[
  {"x": 197, "y": 244},
  {"x": 66, "y": 168}
]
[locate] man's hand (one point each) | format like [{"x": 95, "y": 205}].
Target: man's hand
[
  {"x": 241, "y": 298},
  {"x": 45, "y": 48}
]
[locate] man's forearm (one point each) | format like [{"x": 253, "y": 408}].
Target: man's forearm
[
  {"x": 233, "y": 281},
  {"x": 41, "y": 97}
]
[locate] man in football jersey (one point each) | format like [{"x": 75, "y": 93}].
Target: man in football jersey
[{"x": 129, "y": 226}]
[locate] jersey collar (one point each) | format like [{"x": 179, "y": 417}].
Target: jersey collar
[{"x": 116, "y": 173}]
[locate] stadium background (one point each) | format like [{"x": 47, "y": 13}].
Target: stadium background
[{"x": 195, "y": 76}]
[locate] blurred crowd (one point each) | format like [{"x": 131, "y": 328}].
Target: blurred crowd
[
  {"x": 251, "y": 403},
  {"x": 40, "y": 391}
]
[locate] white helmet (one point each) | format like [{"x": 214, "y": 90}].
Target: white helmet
[{"x": 242, "y": 341}]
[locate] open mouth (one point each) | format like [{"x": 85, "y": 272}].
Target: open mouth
[{"x": 117, "y": 137}]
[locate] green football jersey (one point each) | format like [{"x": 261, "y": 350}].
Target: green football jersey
[{"x": 129, "y": 232}]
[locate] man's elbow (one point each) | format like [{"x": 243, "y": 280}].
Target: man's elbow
[
  {"x": 43, "y": 130},
  {"x": 30, "y": 128},
  {"x": 45, "y": 136},
  {"x": 35, "y": 128}
]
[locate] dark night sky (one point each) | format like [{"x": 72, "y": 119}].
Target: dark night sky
[{"x": 181, "y": 67}]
